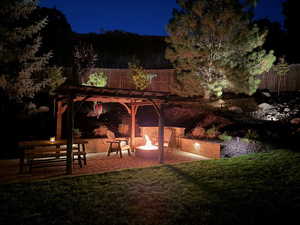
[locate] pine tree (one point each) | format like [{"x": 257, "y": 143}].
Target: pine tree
[
  {"x": 213, "y": 46},
  {"x": 20, "y": 61}
]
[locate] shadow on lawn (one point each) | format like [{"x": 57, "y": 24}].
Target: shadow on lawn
[{"x": 230, "y": 201}]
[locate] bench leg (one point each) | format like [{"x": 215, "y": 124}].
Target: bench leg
[
  {"x": 119, "y": 149},
  {"x": 22, "y": 158},
  {"x": 79, "y": 157},
  {"x": 109, "y": 149},
  {"x": 84, "y": 154}
]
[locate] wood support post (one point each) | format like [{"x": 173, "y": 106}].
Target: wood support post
[
  {"x": 133, "y": 111},
  {"x": 70, "y": 127},
  {"x": 161, "y": 124},
  {"x": 60, "y": 109}
]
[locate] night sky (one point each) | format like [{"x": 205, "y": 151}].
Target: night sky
[{"x": 138, "y": 16}]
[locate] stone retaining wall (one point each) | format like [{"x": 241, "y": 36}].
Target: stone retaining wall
[
  {"x": 199, "y": 147},
  {"x": 100, "y": 144}
]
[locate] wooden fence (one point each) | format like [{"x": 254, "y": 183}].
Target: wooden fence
[
  {"x": 120, "y": 78},
  {"x": 290, "y": 82}
]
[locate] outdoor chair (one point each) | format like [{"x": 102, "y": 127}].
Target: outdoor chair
[{"x": 117, "y": 144}]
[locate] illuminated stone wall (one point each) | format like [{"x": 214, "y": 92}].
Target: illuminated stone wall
[{"x": 199, "y": 147}]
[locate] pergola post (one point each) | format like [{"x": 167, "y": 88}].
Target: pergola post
[
  {"x": 161, "y": 124},
  {"x": 70, "y": 127},
  {"x": 60, "y": 109},
  {"x": 133, "y": 123}
]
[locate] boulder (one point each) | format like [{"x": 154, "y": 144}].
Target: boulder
[
  {"x": 235, "y": 109},
  {"x": 265, "y": 106},
  {"x": 295, "y": 121},
  {"x": 266, "y": 94},
  {"x": 43, "y": 109},
  {"x": 100, "y": 131},
  {"x": 237, "y": 147},
  {"x": 209, "y": 120},
  {"x": 198, "y": 132}
]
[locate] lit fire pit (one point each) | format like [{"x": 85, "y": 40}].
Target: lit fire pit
[{"x": 147, "y": 151}]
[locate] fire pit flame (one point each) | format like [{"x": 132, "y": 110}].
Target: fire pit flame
[{"x": 148, "y": 145}]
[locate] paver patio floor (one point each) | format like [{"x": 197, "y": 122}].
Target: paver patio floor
[{"x": 96, "y": 163}]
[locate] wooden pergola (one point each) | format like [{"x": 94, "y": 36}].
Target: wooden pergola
[{"x": 66, "y": 95}]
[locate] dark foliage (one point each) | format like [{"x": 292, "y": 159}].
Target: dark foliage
[
  {"x": 276, "y": 37},
  {"x": 116, "y": 48},
  {"x": 57, "y": 36},
  {"x": 291, "y": 24}
]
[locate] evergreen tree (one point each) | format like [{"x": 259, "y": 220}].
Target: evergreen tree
[
  {"x": 20, "y": 61},
  {"x": 213, "y": 46}
]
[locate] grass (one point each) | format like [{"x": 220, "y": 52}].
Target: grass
[{"x": 253, "y": 189}]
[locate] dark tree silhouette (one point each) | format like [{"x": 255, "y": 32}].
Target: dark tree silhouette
[
  {"x": 276, "y": 37},
  {"x": 57, "y": 36},
  {"x": 291, "y": 24},
  {"x": 116, "y": 48}
]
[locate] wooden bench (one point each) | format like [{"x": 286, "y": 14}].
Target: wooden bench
[
  {"x": 44, "y": 157},
  {"x": 51, "y": 156}
]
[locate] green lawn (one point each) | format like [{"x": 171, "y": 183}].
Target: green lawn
[{"x": 254, "y": 189}]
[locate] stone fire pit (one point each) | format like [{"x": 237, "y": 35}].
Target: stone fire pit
[{"x": 147, "y": 151}]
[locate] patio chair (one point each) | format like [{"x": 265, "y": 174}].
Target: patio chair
[{"x": 117, "y": 144}]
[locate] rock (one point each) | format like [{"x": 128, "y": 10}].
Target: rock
[
  {"x": 237, "y": 147},
  {"x": 235, "y": 109},
  {"x": 198, "y": 132},
  {"x": 267, "y": 94},
  {"x": 286, "y": 110},
  {"x": 43, "y": 109},
  {"x": 295, "y": 121},
  {"x": 265, "y": 106},
  {"x": 210, "y": 120},
  {"x": 31, "y": 108},
  {"x": 100, "y": 131}
]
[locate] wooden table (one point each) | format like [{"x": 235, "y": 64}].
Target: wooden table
[{"x": 25, "y": 145}]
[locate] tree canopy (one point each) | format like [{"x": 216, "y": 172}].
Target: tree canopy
[
  {"x": 213, "y": 46},
  {"x": 20, "y": 60}
]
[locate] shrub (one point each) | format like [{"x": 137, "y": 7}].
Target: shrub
[
  {"x": 97, "y": 79},
  {"x": 225, "y": 137},
  {"x": 139, "y": 76},
  {"x": 251, "y": 134},
  {"x": 212, "y": 132}
]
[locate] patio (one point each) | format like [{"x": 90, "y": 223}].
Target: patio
[{"x": 96, "y": 163}]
